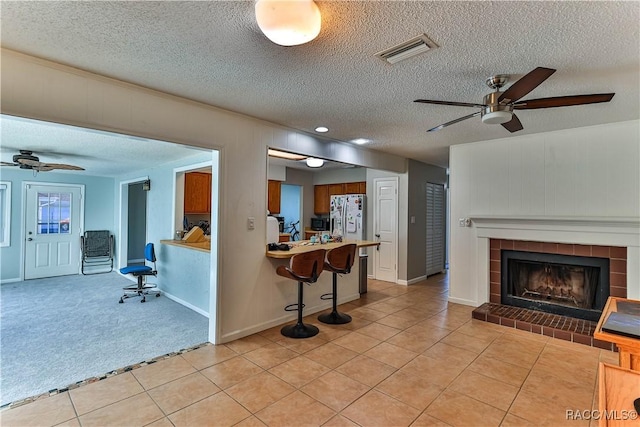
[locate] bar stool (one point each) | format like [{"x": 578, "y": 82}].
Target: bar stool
[
  {"x": 339, "y": 261},
  {"x": 304, "y": 268}
]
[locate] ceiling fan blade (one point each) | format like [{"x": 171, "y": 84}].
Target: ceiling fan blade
[
  {"x": 51, "y": 166},
  {"x": 513, "y": 125},
  {"x": 563, "y": 101},
  {"x": 8, "y": 164},
  {"x": 444, "y": 125},
  {"x": 525, "y": 85},
  {"x": 458, "y": 104},
  {"x": 29, "y": 162}
]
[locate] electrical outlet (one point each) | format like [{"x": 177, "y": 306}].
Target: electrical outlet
[
  {"x": 462, "y": 222},
  {"x": 413, "y": 219},
  {"x": 251, "y": 223}
]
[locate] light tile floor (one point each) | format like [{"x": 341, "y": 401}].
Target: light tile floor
[{"x": 408, "y": 358}]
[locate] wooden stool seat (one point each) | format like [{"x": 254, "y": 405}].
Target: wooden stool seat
[
  {"x": 339, "y": 261},
  {"x": 303, "y": 268}
]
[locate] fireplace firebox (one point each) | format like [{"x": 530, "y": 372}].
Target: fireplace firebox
[{"x": 569, "y": 285}]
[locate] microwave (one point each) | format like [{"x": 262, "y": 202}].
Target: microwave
[{"x": 319, "y": 224}]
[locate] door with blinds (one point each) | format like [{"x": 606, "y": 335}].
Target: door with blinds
[{"x": 436, "y": 228}]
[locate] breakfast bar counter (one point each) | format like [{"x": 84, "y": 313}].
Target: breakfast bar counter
[{"x": 306, "y": 246}]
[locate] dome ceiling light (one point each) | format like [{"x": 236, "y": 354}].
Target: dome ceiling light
[
  {"x": 312, "y": 162},
  {"x": 288, "y": 23}
]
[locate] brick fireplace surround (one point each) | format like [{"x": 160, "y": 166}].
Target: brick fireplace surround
[{"x": 552, "y": 325}]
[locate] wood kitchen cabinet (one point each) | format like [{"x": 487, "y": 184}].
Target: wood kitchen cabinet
[
  {"x": 321, "y": 199},
  {"x": 197, "y": 193},
  {"x": 352, "y": 188},
  {"x": 335, "y": 189},
  {"x": 273, "y": 198},
  {"x": 322, "y": 194}
]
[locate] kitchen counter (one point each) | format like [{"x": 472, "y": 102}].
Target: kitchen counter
[
  {"x": 198, "y": 246},
  {"x": 306, "y": 246}
]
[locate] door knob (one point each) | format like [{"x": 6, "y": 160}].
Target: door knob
[{"x": 29, "y": 239}]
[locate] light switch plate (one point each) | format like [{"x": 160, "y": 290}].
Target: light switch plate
[{"x": 251, "y": 223}]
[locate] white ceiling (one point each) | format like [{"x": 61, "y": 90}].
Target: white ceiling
[
  {"x": 213, "y": 52},
  {"x": 99, "y": 153}
]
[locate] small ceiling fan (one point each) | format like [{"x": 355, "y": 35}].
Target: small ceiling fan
[
  {"x": 26, "y": 160},
  {"x": 497, "y": 107}
]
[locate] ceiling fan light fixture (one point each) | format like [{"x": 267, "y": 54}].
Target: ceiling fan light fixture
[
  {"x": 313, "y": 162},
  {"x": 288, "y": 22},
  {"x": 496, "y": 117}
]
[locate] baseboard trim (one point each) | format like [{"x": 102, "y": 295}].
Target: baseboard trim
[
  {"x": 186, "y": 304},
  {"x": 17, "y": 279},
  {"x": 231, "y": 336},
  {"x": 463, "y": 301},
  {"x": 412, "y": 281}
]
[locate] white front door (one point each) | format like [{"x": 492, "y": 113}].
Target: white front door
[
  {"x": 52, "y": 230},
  {"x": 385, "y": 229}
]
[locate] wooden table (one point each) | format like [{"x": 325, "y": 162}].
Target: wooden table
[
  {"x": 628, "y": 348},
  {"x": 303, "y": 246}
]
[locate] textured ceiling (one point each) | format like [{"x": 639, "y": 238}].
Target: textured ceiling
[
  {"x": 213, "y": 52},
  {"x": 55, "y": 143}
]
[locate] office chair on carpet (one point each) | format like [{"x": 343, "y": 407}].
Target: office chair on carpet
[{"x": 141, "y": 289}]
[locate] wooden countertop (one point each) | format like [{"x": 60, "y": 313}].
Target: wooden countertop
[
  {"x": 198, "y": 246},
  {"x": 303, "y": 246}
]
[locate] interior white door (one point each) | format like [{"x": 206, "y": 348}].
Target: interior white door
[
  {"x": 52, "y": 230},
  {"x": 386, "y": 229}
]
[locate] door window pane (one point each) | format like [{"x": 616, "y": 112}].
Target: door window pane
[{"x": 54, "y": 213}]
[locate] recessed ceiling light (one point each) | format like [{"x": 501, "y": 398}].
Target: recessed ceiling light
[
  {"x": 322, "y": 129},
  {"x": 360, "y": 141}
]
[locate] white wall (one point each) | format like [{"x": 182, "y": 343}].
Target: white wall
[
  {"x": 250, "y": 297},
  {"x": 589, "y": 174}
]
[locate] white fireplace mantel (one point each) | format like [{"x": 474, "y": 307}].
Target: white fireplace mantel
[{"x": 604, "y": 231}]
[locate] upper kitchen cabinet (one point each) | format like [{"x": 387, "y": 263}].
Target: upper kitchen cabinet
[
  {"x": 322, "y": 194},
  {"x": 335, "y": 189},
  {"x": 197, "y": 193},
  {"x": 321, "y": 199},
  {"x": 273, "y": 198}
]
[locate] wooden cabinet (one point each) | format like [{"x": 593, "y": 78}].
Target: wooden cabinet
[
  {"x": 197, "y": 193},
  {"x": 273, "y": 199},
  {"x": 335, "y": 189},
  {"x": 321, "y": 199},
  {"x": 617, "y": 389},
  {"x": 354, "y": 188},
  {"x": 322, "y": 194}
]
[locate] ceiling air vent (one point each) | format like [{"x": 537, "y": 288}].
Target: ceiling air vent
[{"x": 407, "y": 49}]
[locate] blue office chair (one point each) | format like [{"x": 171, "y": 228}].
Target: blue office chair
[{"x": 140, "y": 271}]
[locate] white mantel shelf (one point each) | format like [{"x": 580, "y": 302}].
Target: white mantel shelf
[{"x": 493, "y": 220}]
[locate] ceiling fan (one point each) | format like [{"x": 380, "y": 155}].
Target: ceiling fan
[
  {"x": 497, "y": 107},
  {"x": 26, "y": 160}
]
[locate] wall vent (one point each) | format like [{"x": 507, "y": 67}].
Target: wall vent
[{"x": 407, "y": 49}]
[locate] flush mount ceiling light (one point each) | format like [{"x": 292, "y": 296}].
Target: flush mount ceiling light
[
  {"x": 312, "y": 162},
  {"x": 322, "y": 129},
  {"x": 360, "y": 141},
  {"x": 285, "y": 155},
  {"x": 288, "y": 22}
]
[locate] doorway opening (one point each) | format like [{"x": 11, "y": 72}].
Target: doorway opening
[
  {"x": 137, "y": 223},
  {"x": 291, "y": 208}
]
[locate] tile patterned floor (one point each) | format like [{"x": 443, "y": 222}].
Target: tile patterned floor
[{"x": 409, "y": 358}]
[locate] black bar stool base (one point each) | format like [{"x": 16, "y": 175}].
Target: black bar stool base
[
  {"x": 299, "y": 330},
  {"x": 334, "y": 318}
]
